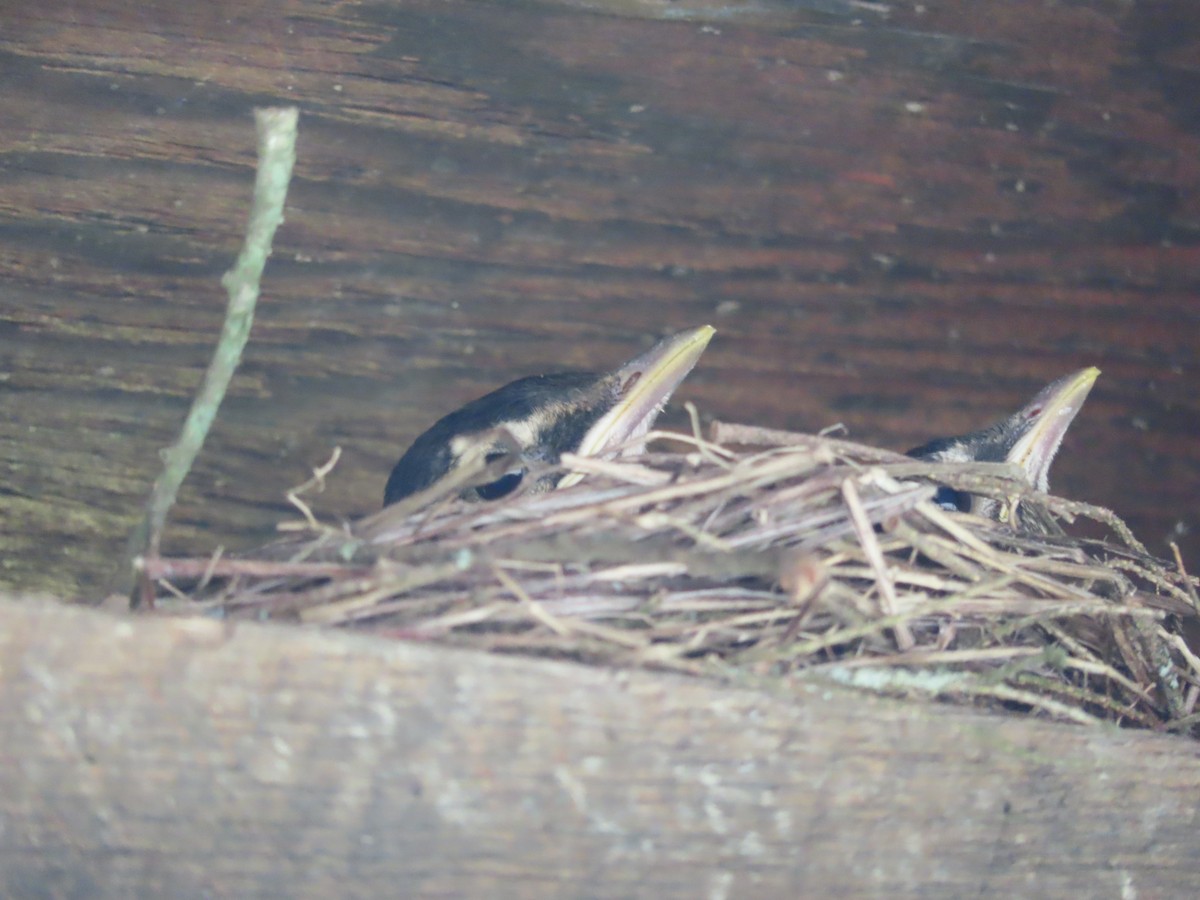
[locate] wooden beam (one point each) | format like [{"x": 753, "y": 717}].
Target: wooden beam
[{"x": 189, "y": 757}]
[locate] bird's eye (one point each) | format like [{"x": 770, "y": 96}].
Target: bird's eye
[
  {"x": 949, "y": 498},
  {"x": 502, "y": 486}
]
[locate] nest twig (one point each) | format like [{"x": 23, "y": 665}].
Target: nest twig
[{"x": 801, "y": 557}]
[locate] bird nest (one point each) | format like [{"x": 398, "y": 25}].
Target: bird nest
[{"x": 755, "y": 555}]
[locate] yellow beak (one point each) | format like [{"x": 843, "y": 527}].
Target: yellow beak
[
  {"x": 1050, "y": 414},
  {"x": 643, "y": 385}
]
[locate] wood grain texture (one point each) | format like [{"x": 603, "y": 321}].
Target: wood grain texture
[
  {"x": 188, "y": 758},
  {"x": 906, "y": 218}
]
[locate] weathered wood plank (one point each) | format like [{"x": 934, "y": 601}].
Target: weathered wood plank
[{"x": 185, "y": 758}]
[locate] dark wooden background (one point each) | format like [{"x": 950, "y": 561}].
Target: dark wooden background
[{"x": 902, "y": 217}]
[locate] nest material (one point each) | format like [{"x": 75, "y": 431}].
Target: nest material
[{"x": 810, "y": 558}]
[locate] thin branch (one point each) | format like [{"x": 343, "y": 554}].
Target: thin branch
[{"x": 276, "y": 157}]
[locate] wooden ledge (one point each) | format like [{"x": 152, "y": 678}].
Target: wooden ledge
[{"x": 183, "y": 757}]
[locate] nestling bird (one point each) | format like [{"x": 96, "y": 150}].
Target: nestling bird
[
  {"x": 531, "y": 422},
  {"x": 1030, "y": 438}
]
